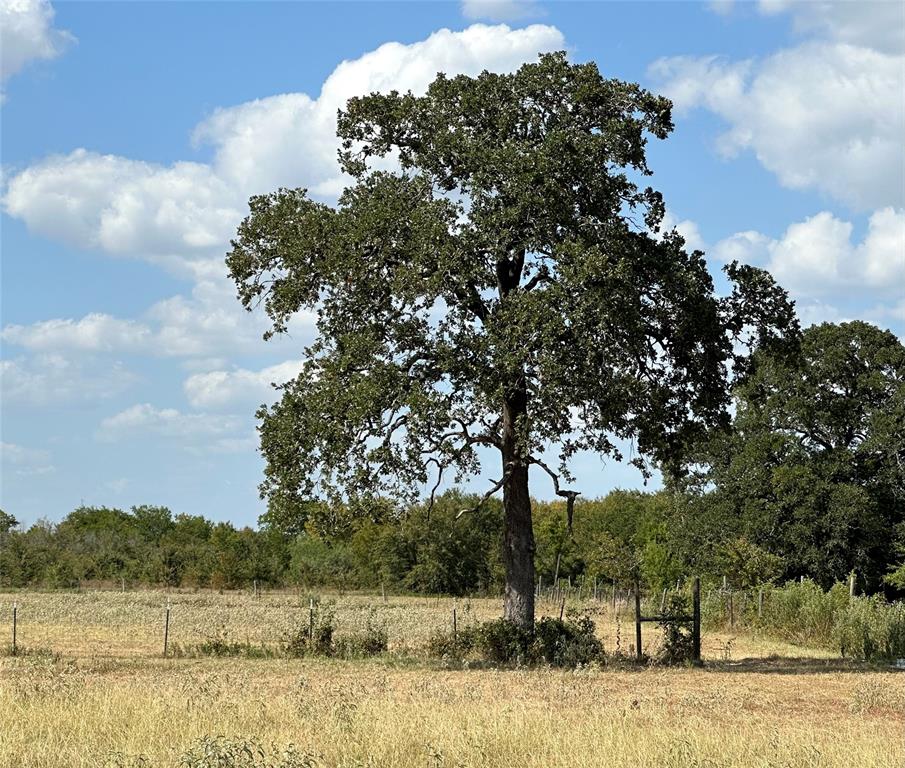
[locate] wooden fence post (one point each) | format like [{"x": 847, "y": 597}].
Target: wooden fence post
[
  {"x": 15, "y": 617},
  {"x": 166, "y": 629},
  {"x": 851, "y": 584},
  {"x": 638, "y": 654},
  {"x": 310, "y": 620},
  {"x": 696, "y": 620},
  {"x": 562, "y": 608},
  {"x": 663, "y": 601},
  {"x": 731, "y": 611},
  {"x": 760, "y": 603},
  {"x": 454, "y": 627}
]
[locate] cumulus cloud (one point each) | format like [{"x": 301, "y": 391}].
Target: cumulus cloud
[
  {"x": 824, "y": 116},
  {"x": 52, "y": 379},
  {"x": 95, "y": 332},
  {"x": 876, "y": 24},
  {"x": 179, "y": 214},
  {"x": 145, "y": 419},
  {"x": 816, "y": 257},
  {"x": 27, "y": 34},
  {"x": 217, "y": 389},
  {"x": 207, "y": 322},
  {"x": 500, "y": 10},
  {"x": 827, "y": 114},
  {"x": 126, "y": 207}
]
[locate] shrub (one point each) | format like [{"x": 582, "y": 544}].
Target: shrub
[
  {"x": 504, "y": 642},
  {"x": 678, "y": 642},
  {"x": 864, "y": 628},
  {"x": 567, "y": 643},
  {"x": 553, "y": 641},
  {"x": 373, "y": 641},
  {"x": 315, "y": 636}
]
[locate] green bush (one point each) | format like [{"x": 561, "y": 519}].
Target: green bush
[
  {"x": 678, "y": 642},
  {"x": 567, "y": 643},
  {"x": 555, "y": 642}
]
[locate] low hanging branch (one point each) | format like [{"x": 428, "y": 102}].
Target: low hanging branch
[{"x": 568, "y": 495}]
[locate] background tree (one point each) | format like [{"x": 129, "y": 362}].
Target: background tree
[
  {"x": 813, "y": 469},
  {"x": 7, "y": 523},
  {"x": 505, "y": 288}
]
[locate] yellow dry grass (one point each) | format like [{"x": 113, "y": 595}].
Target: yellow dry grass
[{"x": 110, "y": 697}]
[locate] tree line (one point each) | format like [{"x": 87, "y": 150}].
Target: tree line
[{"x": 807, "y": 481}]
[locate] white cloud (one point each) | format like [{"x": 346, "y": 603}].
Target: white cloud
[
  {"x": 95, "y": 332},
  {"x": 816, "y": 257},
  {"x": 27, "y": 34},
  {"x": 127, "y": 207},
  {"x": 145, "y": 419},
  {"x": 879, "y": 24},
  {"x": 500, "y": 10},
  {"x": 685, "y": 227},
  {"x": 180, "y": 214},
  {"x": 217, "y": 389},
  {"x": 26, "y": 461},
  {"x": 207, "y": 322},
  {"x": 827, "y": 114},
  {"x": 51, "y": 379},
  {"x": 290, "y": 139}
]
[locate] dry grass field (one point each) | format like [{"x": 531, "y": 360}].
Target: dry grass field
[{"x": 93, "y": 690}]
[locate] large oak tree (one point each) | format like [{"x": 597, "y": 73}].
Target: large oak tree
[{"x": 506, "y": 287}]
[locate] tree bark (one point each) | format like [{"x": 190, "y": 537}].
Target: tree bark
[{"x": 518, "y": 541}]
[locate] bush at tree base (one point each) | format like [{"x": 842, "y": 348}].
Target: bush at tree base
[{"x": 560, "y": 643}]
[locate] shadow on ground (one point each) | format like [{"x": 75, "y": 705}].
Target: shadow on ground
[{"x": 784, "y": 665}]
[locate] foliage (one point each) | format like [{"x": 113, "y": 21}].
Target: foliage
[
  {"x": 317, "y": 636},
  {"x": 678, "y": 643},
  {"x": 861, "y": 627},
  {"x": 313, "y": 637},
  {"x": 813, "y": 469},
  {"x": 749, "y": 564},
  {"x": 555, "y": 642}
]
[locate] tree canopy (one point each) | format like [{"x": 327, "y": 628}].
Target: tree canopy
[
  {"x": 814, "y": 466},
  {"x": 507, "y": 286}
]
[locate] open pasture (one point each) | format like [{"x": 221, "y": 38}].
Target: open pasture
[{"x": 93, "y": 690}]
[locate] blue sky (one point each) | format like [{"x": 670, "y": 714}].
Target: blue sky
[{"x": 133, "y": 133}]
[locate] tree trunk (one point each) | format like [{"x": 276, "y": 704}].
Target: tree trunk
[{"x": 518, "y": 542}]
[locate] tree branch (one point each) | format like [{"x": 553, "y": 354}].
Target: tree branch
[
  {"x": 568, "y": 495},
  {"x": 496, "y": 486}
]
